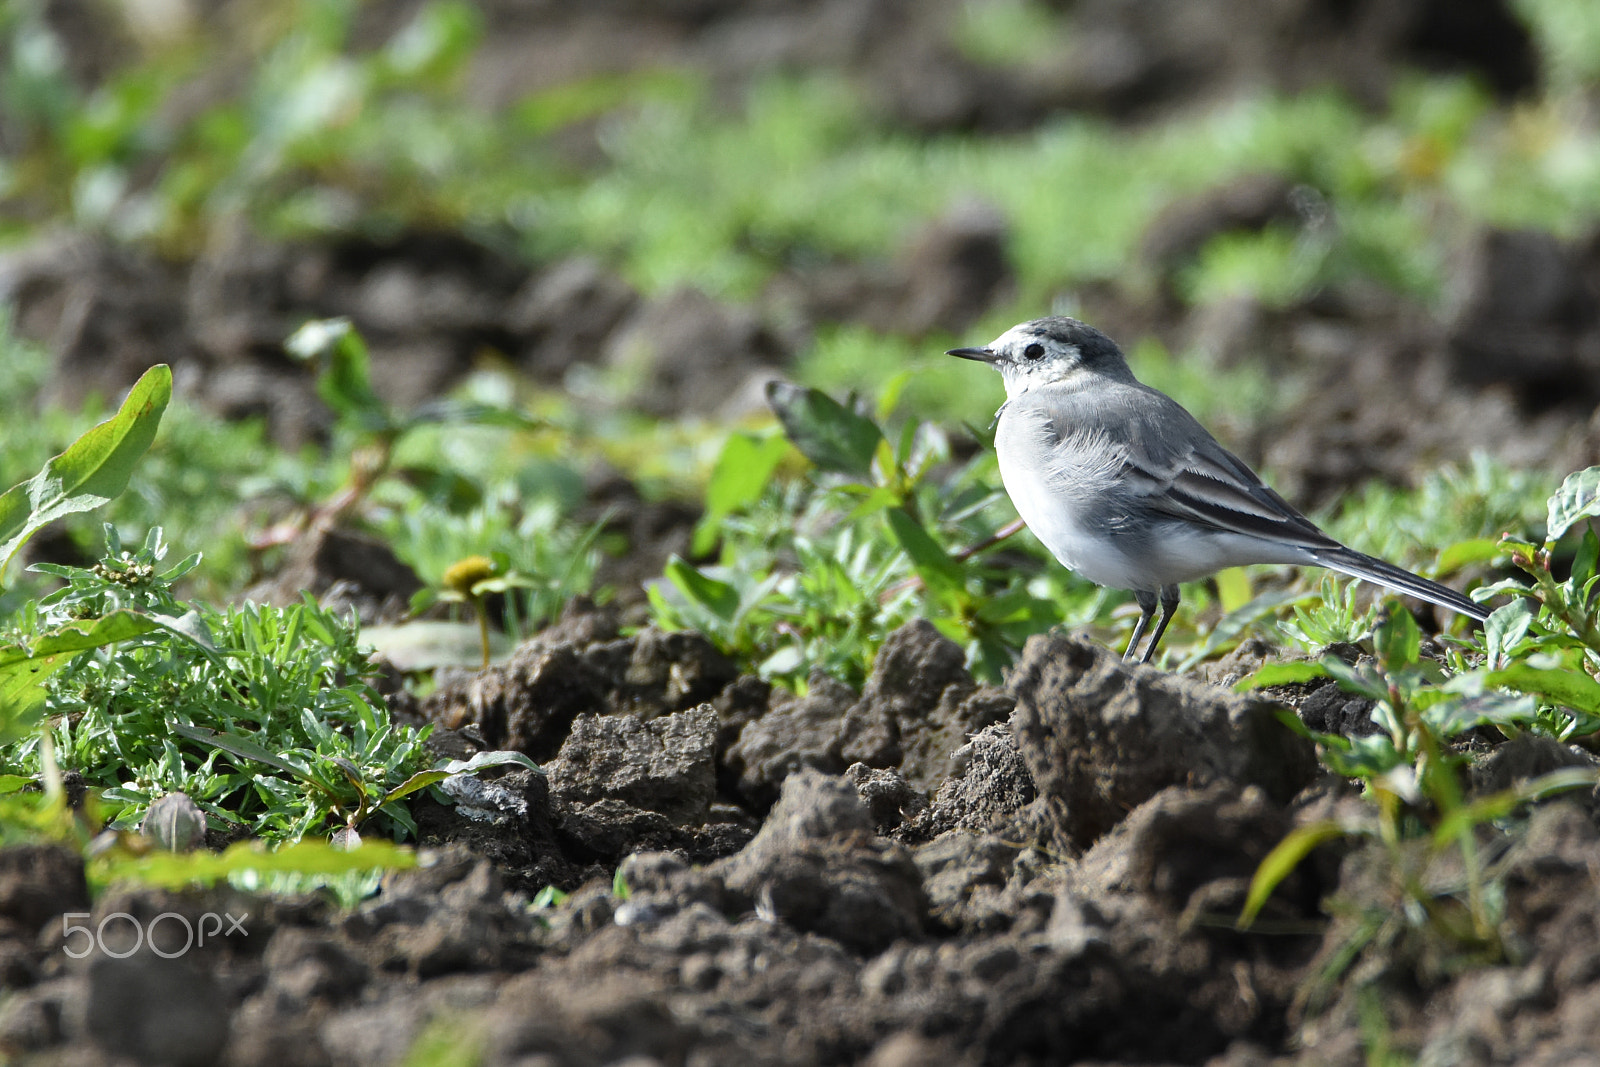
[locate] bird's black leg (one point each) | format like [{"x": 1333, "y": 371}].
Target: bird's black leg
[
  {"x": 1169, "y": 604},
  {"x": 1147, "y": 611}
]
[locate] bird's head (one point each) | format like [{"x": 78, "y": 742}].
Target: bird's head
[{"x": 1048, "y": 351}]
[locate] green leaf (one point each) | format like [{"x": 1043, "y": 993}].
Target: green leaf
[
  {"x": 1577, "y": 499},
  {"x": 1465, "y": 553},
  {"x": 942, "y": 575},
  {"x": 1282, "y": 860},
  {"x": 1281, "y": 674},
  {"x": 93, "y": 469},
  {"x": 1233, "y": 588},
  {"x": 741, "y": 473},
  {"x": 494, "y": 758},
  {"x": 825, "y": 431},
  {"x": 1465, "y": 820},
  {"x": 24, "y": 668},
  {"x": 423, "y": 779},
  {"x": 1238, "y": 622},
  {"x": 1571, "y": 688},
  {"x": 1396, "y": 639},
  {"x": 1583, "y": 564},
  {"x": 1355, "y": 680},
  {"x": 242, "y": 747},
  {"x": 174, "y": 870},
  {"x": 719, "y": 598},
  {"x": 1504, "y": 629},
  {"x": 1456, "y": 716},
  {"x": 345, "y": 380}
]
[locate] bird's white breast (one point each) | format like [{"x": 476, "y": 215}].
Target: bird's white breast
[{"x": 1053, "y": 487}]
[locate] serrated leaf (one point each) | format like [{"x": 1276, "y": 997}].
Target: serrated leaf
[
  {"x": 1577, "y": 499},
  {"x": 93, "y": 469},
  {"x": 825, "y": 431}
]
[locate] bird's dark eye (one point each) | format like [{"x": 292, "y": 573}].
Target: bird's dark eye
[{"x": 1034, "y": 351}]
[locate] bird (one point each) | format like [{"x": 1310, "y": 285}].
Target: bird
[{"x": 1127, "y": 489}]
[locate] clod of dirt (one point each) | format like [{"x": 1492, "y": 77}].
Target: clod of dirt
[
  {"x": 794, "y": 734},
  {"x": 686, "y": 353},
  {"x": 508, "y": 822},
  {"x": 920, "y": 705},
  {"x": 1540, "y": 1008},
  {"x": 155, "y": 1010},
  {"x": 1525, "y": 757},
  {"x": 565, "y": 313},
  {"x": 948, "y": 274},
  {"x": 1162, "y": 891},
  {"x": 108, "y": 313},
  {"x": 304, "y": 966},
  {"x": 1127, "y": 57},
  {"x": 346, "y": 571},
  {"x": 529, "y": 703},
  {"x": 889, "y": 798},
  {"x": 1331, "y": 710},
  {"x": 1101, "y": 737},
  {"x": 670, "y": 670},
  {"x": 1530, "y": 318},
  {"x": 985, "y": 883},
  {"x": 615, "y": 771},
  {"x": 450, "y": 916},
  {"x": 38, "y": 883},
  {"x": 1248, "y": 202},
  {"x": 994, "y": 783},
  {"x": 816, "y": 866}
]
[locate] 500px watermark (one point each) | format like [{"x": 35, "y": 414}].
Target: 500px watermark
[{"x": 129, "y": 934}]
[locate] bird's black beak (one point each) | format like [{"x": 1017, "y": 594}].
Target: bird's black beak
[{"x": 982, "y": 355}]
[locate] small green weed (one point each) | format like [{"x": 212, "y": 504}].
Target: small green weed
[
  {"x": 262, "y": 715},
  {"x": 1533, "y": 671},
  {"x": 815, "y": 573}
]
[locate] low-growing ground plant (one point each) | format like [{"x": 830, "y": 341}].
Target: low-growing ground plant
[
  {"x": 815, "y": 572},
  {"x": 1532, "y": 671},
  {"x": 264, "y": 716}
]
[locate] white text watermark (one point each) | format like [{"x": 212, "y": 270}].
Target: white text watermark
[{"x": 129, "y": 934}]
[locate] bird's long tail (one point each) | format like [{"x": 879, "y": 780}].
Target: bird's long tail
[{"x": 1358, "y": 565}]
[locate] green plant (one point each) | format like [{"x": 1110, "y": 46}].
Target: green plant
[
  {"x": 815, "y": 573},
  {"x": 262, "y": 715},
  {"x": 1332, "y": 616},
  {"x": 1535, "y": 673},
  {"x": 89, "y": 473}
]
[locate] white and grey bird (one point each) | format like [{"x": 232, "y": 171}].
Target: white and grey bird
[{"x": 1124, "y": 487}]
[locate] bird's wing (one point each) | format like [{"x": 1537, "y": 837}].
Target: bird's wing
[{"x": 1182, "y": 472}]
